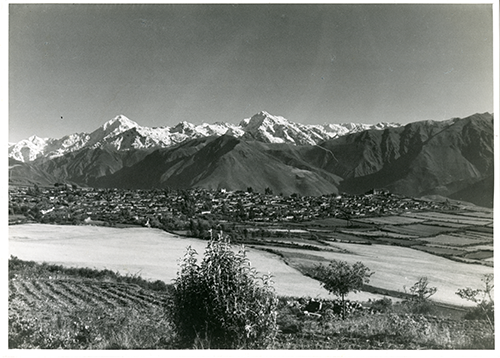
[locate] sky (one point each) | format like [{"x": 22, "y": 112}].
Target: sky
[{"x": 74, "y": 67}]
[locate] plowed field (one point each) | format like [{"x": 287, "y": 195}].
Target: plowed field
[{"x": 81, "y": 294}]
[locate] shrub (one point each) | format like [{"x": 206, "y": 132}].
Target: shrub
[
  {"x": 485, "y": 308},
  {"x": 340, "y": 278},
  {"x": 382, "y": 305},
  {"x": 221, "y": 303},
  {"x": 420, "y": 292}
]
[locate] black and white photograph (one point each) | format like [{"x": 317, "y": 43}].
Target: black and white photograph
[{"x": 250, "y": 176}]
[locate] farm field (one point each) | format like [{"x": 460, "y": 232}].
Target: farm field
[
  {"x": 152, "y": 253},
  {"x": 453, "y": 250},
  {"x": 417, "y": 229},
  {"x": 477, "y": 235},
  {"x": 455, "y": 240},
  {"x": 85, "y": 309},
  {"x": 457, "y": 236},
  {"x": 447, "y": 224},
  {"x": 85, "y": 294},
  {"x": 469, "y": 218},
  {"x": 398, "y": 267}
]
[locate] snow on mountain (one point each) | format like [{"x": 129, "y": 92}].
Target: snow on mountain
[
  {"x": 275, "y": 129},
  {"x": 107, "y": 133},
  {"x": 30, "y": 149},
  {"x": 27, "y": 149},
  {"x": 121, "y": 133}
]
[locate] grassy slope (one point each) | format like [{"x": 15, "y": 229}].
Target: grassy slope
[{"x": 56, "y": 307}]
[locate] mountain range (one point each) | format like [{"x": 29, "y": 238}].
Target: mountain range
[
  {"x": 121, "y": 133},
  {"x": 452, "y": 158}
]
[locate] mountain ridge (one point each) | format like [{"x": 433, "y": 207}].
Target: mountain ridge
[
  {"x": 123, "y": 133},
  {"x": 452, "y": 158}
]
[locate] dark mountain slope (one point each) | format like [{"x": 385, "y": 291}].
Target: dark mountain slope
[
  {"x": 222, "y": 162},
  {"x": 420, "y": 158},
  {"x": 479, "y": 193},
  {"x": 85, "y": 165},
  {"x": 27, "y": 174}
]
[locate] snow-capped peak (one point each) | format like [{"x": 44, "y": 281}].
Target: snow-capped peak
[
  {"x": 119, "y": 124},
  {"x": 121, "y": 133},
  {"x": 263, "y": 118},
  {"x": 109, "y": 130},
  {"x": 37, "y": 140},
  {"x": 276, "y": 129}
]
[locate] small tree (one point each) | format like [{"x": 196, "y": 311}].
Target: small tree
[
  {"x": 482, "y": 298},
  {"x": 420, "y": 293},
  {"x": 340, "y": 278},
  {"x": 221, "y": 303}
]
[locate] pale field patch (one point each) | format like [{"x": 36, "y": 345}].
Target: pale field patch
[
  {"x": 150, "y": 253},
  {"x": 476, "y": 235},
  {"x": 454, "y": 240},
  {"x": 398, "y": 267},
  {"x": 459, "y": 219},
  {"x": 464, "y": 248},
  {"x": 477, "y": 248},
  {"x": 391, "y": 220}
]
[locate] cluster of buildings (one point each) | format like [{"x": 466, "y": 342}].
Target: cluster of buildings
[{"x": 164, "y": 207}]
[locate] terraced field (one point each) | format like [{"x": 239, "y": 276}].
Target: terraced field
[{"x": 454, "y": 235}]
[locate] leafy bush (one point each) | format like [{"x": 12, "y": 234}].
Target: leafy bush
[
  {"x": 382, "y": 305},
  {"x": 221, "y": 303}
]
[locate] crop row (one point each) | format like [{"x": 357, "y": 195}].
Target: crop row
[{"x": 69, "y": 294}]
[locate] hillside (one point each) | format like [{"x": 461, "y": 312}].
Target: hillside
[
  {"x": 79, "y": 167},
  {"x": 26, "y": 174},
  {"x": 223, "y": 162},
  {"x": 421, "y": 158}
]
